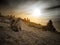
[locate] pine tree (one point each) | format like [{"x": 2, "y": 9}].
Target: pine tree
[
  {"x": 13, "y": 24},
  {"x": 50, "y": 26}
]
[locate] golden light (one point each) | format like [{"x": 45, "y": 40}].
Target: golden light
[{"x": 36, "y": 12}]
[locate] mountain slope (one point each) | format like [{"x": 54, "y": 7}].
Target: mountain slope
[{"x": 27, "y": 36}]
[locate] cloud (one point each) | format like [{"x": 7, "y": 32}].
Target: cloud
[
  {"x": 16, "y": 2},
  {"x": 54, "y": 7},
  {"x": 13, "y": 2}
]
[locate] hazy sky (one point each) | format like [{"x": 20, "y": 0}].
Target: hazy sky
[
  {"x": 50, "y": 9},
  {"x": 24, "y": 4}
]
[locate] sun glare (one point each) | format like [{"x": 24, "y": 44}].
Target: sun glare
[{"x": 36, "y": 12}]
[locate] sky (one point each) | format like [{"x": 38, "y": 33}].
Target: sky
[{"x": 49, "y": 9}]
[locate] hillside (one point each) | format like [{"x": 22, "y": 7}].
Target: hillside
[{"x": 28, "y": 35}]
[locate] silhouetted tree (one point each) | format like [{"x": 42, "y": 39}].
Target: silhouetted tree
[
  {"x": 14, "y": 24},
  {"x": 50, "y": 26},
  {"x": 28, "y": 20},
  {"x": 24, "y": 19},
  {"x": 18, "y": 24}
]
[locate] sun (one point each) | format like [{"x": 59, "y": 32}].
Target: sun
[{"x": 36, "y": 12}]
